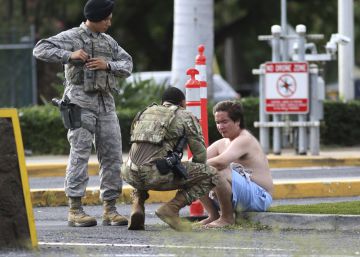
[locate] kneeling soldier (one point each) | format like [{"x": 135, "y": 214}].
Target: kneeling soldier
[{"x": 154, "y": 160}]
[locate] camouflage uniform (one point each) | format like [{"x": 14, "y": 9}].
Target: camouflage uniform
[
  {"x": 100, "y": 124},
  {"x": 140, "y": 170}
]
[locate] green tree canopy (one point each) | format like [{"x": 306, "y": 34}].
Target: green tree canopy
[{"x": 144, "y": 28}]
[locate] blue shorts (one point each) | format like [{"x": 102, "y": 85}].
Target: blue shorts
[{"x": 247, "y": 195}]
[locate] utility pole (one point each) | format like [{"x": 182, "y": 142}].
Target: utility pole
[{"x": 346, "y": 51}]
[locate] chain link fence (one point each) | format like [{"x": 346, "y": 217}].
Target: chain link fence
[{"x": 18, "y": 82}]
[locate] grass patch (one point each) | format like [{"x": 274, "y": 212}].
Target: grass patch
[{"x": 345, "y": 208}]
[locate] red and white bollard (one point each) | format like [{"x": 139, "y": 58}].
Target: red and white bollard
[
  {"x": 193, "y": 104},
  {"x": 192, "y": 88},
  {"x": 200, "y": 65}
]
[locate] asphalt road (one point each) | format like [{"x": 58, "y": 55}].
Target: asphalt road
[
  {"x": 57, "y": 239},
  {"x": 315, "y": 173}
]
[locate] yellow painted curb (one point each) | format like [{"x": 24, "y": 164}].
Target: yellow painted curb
[
  {"x": 282, "y": 190},
  {"x": 308, "y": 189},
  {"x": 56, "y": 169},
  {"x": 57, "y": 197},
  {"x": 313, "y": 161}
]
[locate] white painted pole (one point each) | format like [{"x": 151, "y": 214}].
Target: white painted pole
[
  {"x": 275, "y": 57},
  {"x": 346, "y": 51},
  {"x": 301, "y": 31},
  {"x": 284, "y": 25}
]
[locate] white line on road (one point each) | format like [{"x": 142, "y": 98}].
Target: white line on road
[
  {"x": 163, "y": 246},
  {"x": 134, "y": 255}
]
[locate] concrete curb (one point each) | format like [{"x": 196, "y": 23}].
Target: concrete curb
[
  {"x": 306, "y": 221},
  {"x": 52, "y": 169},
  {"x": 282, "y": 190}
]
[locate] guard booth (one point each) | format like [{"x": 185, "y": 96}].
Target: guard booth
[{"x": 291, "y": 92}]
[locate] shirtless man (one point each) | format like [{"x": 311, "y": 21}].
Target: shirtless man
[{"x": 238, "y": 150}]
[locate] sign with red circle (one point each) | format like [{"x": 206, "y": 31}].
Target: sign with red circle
[{"x": 286, "y": 87}]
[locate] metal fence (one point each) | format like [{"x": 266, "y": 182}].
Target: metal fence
[{"x": 18, "y": 82}]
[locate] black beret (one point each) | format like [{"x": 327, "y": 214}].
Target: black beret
[{"x": 98, "y": 10}]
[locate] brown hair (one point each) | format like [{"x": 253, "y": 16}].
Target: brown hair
[{"x": 234, "y": 110}]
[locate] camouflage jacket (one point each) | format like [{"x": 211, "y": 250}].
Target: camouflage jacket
[
  {"x": 184, "y": 123},
  {"x": 58, "y": 49}
]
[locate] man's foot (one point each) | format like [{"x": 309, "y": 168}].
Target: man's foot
[
  {"x": 220, "y": 223},
  {"x": 207, "y": 221}
]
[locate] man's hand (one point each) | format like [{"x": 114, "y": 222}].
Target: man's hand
[
  {"x": 79, "y": 55},
  {"x": 96, "y": 64}
]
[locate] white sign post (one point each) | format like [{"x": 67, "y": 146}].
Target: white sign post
[{"x": 286, "y": 87}]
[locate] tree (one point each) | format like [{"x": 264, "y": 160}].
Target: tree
[{"x": 145, "y": 29}]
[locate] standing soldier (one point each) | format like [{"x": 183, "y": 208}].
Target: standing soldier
[
  {"x": 158, "y": 136},
  {"x": 92, "y": 60}
]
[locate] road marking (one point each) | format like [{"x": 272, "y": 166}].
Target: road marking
[
  {"x": 134, "y": 255},
  {"x": 163, "y": 246}
]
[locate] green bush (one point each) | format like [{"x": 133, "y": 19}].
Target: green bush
[
  {"x": 138, "y": 95},
  {"x": 126, "y": 117},
  {"x": 341, "y": 123},
  {"x": 43, "y": 132}
]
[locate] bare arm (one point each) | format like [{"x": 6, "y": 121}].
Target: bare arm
[
  {"x": 213, "y": 149},
  {"x": 236, "y": 149}
]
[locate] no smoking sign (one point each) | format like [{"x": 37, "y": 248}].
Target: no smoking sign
[{"x": 286, "y": 87}]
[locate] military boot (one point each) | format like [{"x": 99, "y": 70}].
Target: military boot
[
  {"x": 169, "y": 213},
  {"x": 110, "y": 216},
  {"x": 137, "y": 217},
  {"x": 77, "y": 216}
]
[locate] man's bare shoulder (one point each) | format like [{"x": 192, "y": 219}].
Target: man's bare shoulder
[{"x": 245, "y": 137}]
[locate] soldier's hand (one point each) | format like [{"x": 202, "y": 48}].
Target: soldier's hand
[
  {"x": 79, "y": 55},
  {"x": 96, "y": 64}
]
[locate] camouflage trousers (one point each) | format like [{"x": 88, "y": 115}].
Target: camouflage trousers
[
  {"x": 103, "y": 130},
  {"x": 201, "y": 179}
]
